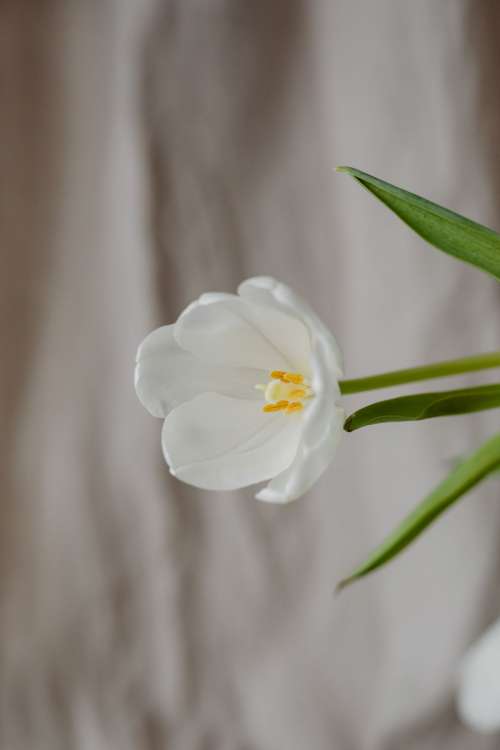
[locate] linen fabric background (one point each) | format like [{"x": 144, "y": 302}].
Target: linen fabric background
[{"x": 152, "y": 150}]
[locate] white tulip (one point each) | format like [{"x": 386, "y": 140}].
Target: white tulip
[
  {"x": 248, "y": 387},
  {"x": 479, "y": 688}
]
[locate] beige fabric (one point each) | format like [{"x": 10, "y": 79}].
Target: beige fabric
[{"x": 150, "y": 151}]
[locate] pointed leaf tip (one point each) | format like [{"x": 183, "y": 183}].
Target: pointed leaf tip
[
  {"x": 450, "y": 232},
  {"x": 343, "y": 584},
  {"x": 471, "y": 471},
  {"x": 348, "y": 424},
  {"x": 429, "y": 405}
]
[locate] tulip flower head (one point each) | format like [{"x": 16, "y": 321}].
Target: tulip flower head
[
  {"x": 248, "y": 387},
  {"x": 479, "y": 683}
]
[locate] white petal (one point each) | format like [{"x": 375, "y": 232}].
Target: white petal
[
  {"x": 166, "y": 375},
  {"x": 479, "y": 689},
  {"x": 324, "y": 418},
  {"x": 322, "y": 430},
  {"x": 267, "y": 291},
  {"x": 227, "y": 330},
  {"x": 221, "y": 443}
]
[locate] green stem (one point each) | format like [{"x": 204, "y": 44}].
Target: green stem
[{"x": 424, "y": 372}]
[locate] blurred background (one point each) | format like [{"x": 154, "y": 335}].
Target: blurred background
[{"x": 151, "y": 150}]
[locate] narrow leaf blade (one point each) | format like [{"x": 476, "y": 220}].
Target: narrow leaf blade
[
  {"x": 448, "y": 231},
  {"x": 465, "y": 476},
  {"x": 426, "y": 406}
]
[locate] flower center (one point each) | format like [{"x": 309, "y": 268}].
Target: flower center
[{"x": 286, "y": 391}]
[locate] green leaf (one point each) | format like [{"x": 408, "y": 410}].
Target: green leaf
[
  {"x": 467, "y": 474},
  {"x": 426, "y": 406},
  {"x": 446, "y": 230}
]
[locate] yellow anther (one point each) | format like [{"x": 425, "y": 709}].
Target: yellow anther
[
  {"x": 282, "y": 393},
  {"x": 287, "y": 377},
  {"x": 278, "y": 406},
  {"x": 294, "y": 406}
]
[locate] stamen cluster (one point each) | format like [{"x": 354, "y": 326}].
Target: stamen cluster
[{"x": 285, "y": 392}]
